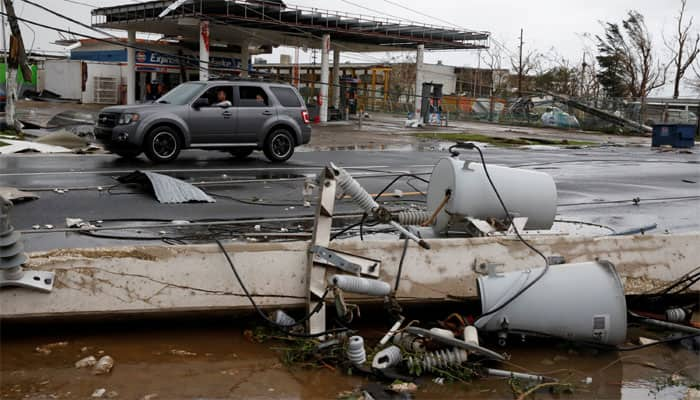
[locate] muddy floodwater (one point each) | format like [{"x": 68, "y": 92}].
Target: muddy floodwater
[{"x": 214, "y": 359}]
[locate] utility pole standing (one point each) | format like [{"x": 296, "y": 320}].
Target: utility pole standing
[
  {"x": 520, "y": 66},
  {"x": 16, "y": 59}
]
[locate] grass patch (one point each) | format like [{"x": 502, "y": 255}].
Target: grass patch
[
  {"x": 3, "y": 143},
  {"x": 500, "y": 141}
]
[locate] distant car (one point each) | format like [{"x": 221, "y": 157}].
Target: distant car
[{"x": 254, "y": 116}]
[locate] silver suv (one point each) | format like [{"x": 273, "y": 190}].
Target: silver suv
[{"x": 234, "y": 116}]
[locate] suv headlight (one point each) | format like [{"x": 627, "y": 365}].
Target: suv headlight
[{"x": 128, "y": 118}]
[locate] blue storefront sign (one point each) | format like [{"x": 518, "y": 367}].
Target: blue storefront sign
[{"x": 147, "y": 60}]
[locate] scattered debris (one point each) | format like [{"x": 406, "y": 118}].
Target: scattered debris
[
  {"x": 23, "y": 146},
  {"x": 404, "y": 387},
  {"x": 182, "y": 353},
  {"x": 283, "y": 319},
  {"x": 63, "y": 138},
  {"x": 86, "y": 362},
  {"x": 73, "y": 222},
  {"x": 150, "y": 396},
  {"x": 15, "y": 195},
  {"x": 47, "y": 348},
  {"x": 99, "y": 392},
  {"x": 168, "y": 190},
  {"x": 104, "y": 365},
  {"x": 646, "y": 341}
]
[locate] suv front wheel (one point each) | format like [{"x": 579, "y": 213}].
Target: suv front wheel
[
  {"x": 162, "y": 145},
  {"x": 279, "y": 145}
]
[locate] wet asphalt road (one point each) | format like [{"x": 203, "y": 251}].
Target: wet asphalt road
[{"x": 585, "y": 178}]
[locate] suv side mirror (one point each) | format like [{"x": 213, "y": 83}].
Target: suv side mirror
[{"x": 200, "y": 102}]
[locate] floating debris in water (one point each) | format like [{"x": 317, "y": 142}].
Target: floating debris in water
[{"x": 104, "y": 365}]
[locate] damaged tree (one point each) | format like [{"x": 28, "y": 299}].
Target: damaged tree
[
  {"x": 683, "y": 47},
  {"x": 626, "y": 57},
  {"x": 17, "y": 59}
]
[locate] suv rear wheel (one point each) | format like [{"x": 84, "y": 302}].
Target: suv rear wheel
[
  {"x": 162, "y": 144},
  {"x": 279, "y": 145}
]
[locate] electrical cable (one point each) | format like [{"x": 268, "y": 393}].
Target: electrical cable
[
  {"x": 660, "y": 341},
  {"x": 609, "y": 346},
  {"x": 285, "y": 329},
  {"x": 509, "y": 219},
  {"x": 255, "y": 203},
  {"x": 398, "y": 273},
  {"x": 571, "y": 221},
  {"x": 635, "y": 201}
]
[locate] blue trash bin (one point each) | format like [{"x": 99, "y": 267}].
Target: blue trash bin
[{"x": 674, "y": 135}]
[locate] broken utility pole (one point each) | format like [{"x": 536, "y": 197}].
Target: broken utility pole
[
  {"x": 17, "y": 59},
  {"x": 520, "y": 66}
]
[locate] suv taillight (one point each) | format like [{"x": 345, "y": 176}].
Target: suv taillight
[{"x": 305, "y": 117}]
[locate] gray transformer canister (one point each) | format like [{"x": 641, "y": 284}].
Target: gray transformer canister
[
  {"x": 526, "y": 193},
  {"x": 582, "y": 301}
]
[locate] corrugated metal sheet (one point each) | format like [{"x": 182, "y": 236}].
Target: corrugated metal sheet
[{"x": 167, "y": 189}]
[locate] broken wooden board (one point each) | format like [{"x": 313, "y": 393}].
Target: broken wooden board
[{"x": 196, "y": 278}]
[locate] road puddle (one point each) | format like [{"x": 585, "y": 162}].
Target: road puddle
[{"x": 212, "y": 359}]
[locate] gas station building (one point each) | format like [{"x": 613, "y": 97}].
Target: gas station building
[{"x": 213, "y": 39}]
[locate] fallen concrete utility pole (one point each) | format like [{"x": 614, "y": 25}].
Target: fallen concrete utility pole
[
  {"x": 197, "y": 278},
  {"x": 602, "y": 114}
]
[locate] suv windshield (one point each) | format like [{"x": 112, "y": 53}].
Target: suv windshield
[{"x": 182, "y": 94}]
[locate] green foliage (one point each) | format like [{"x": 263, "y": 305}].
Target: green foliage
[{"x": 627, "y": 62}]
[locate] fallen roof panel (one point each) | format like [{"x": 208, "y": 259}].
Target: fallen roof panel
[{"x": 167, "y": 189}]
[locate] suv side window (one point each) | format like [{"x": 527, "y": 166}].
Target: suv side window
[
  {"x": 252, "y": 96},
  {"x": 212, "y": 95},
  {"x": 286, "y": 96}
]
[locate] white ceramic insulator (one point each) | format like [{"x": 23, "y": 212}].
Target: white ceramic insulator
[
  {"x": 471, "y": 335},
  {"x": 359, "y": 285},
  {"x": 412, "y": 217},
  {"x": 439, "y": 359},
  {"x": 387, "y": 358},
  {"x": 675, "y": 315},
  {"x": 356, "y": 350},
  {"x": 355, "y": 191}
]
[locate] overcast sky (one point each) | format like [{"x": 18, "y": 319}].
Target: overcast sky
[{"x": 548, "y": 24}]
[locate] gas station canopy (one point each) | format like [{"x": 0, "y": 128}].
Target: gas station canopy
[{"x": 272, "y": 23}]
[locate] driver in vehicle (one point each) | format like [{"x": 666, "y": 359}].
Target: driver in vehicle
[{"x": 221, "y": 100}]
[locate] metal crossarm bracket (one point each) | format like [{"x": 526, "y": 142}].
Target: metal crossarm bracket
[
  {"x": 347, "y": 262},
  {"x": 315, "y": 273}
]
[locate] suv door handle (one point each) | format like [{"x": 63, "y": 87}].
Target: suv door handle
[
  {"x": 267, "y": 112},
  {"x": 226, "y": 114}
]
